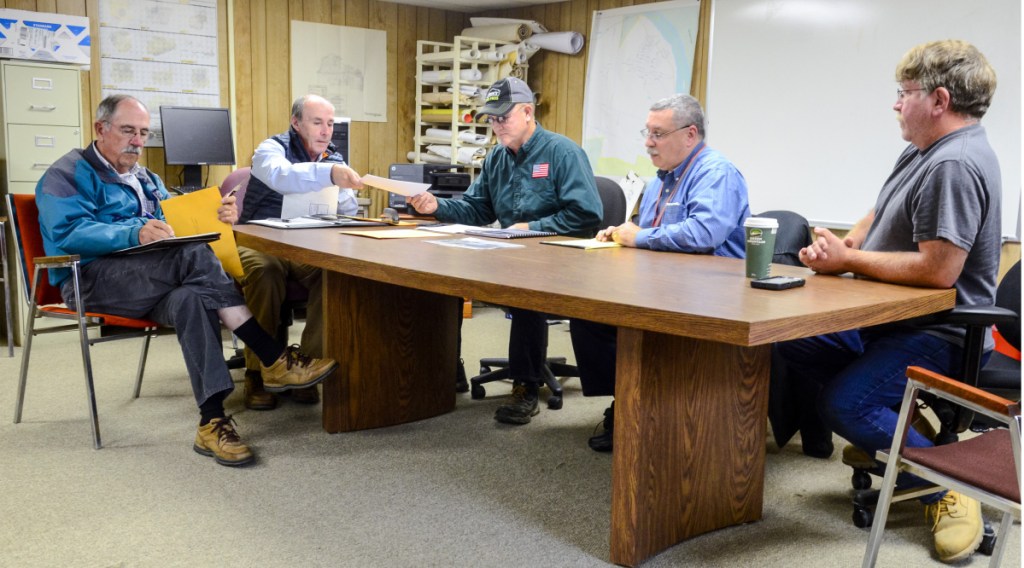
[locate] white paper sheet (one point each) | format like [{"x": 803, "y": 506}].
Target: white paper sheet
[
  {"x": 323, "y": 202},
  {"x": 406, "y": 188}
]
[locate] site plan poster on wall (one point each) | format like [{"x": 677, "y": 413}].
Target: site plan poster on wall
[
  {"x": 162, "y": 52},
  {"x": 345, "y": 65},
  {"x": 638, "y": 55}
]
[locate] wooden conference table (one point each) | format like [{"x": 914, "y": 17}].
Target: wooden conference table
[{"x": 693, "y": 354}]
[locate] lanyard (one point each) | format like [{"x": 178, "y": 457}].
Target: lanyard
[{"x": 661, "y": 205}]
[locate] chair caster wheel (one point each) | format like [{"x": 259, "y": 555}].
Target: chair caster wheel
[
  {"x": 477, "y": 392},
  {"x": 860, "y": 479},
  {"x": 988, "y": 541},
  {"x": 862, "y": 517},
  {"x": 554, "y": 402}
]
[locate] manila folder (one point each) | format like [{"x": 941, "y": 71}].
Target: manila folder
[{"x": 195, "y": 213}]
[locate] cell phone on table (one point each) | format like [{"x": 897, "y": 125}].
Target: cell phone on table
[{"x": 777, "y": 282}]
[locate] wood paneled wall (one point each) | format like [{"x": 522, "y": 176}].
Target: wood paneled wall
[{"x": 259, "y": 89}]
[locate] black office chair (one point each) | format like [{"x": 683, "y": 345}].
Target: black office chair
[
  {"x": 1000, "y": 376},
  {"x": 791, "y": 405},
  {"x": 613, "y": 201}
]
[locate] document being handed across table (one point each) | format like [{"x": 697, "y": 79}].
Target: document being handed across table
[{"x": 406, "y": 188}]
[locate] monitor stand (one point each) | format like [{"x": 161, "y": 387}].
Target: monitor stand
[{"x": 192, "y": 176}]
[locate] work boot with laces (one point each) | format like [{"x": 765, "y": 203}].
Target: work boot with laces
[
  {"x": 219, "y": 440},
  {"x": 293, "y": 370},
  {"x": 957, "y": 526},
  {"x": 522, "y": 408},
  {"x": 603, "y": 442}
]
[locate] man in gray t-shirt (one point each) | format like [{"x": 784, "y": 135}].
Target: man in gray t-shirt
[{"x": 935, "y": 224}]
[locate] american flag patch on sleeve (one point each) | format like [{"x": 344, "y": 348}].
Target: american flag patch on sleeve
[{"x": 540, "y": 170}]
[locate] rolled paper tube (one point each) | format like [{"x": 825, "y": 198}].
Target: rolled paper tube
[
  {"x": 438, "y": 133},
  {"x": 440, "y": 150},
  {"x": 445, "y": 115},
  {"x": 470, "y": 155},
  {"x": 436, "y": 77},
  {"x": 503, "y": 32},
  {"x": 471, "y": 75},
  {"x": 493, "y": 55},
  {"x": 427, "y": 158},
  {"x": 471, "y": 137},
  {"x": 562, "y": 42},
  {"x": 472, "y": 54}
]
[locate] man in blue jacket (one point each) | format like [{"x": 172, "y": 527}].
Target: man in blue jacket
[
  {"x": 535, "y": 180},
  {"x": 696, "y": 205},
  {"x": 98, "y": 200}
]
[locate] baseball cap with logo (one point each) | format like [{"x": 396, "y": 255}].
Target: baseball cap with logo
[{"x": 505, "y": 94}]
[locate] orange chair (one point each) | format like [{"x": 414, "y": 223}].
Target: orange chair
[{"x": 44, "y": 301}]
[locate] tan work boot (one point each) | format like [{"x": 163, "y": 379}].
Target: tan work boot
[
  {"x": 255, "y": 396},
  {"x": 308, "y": 395},
  {"x": 219, "y": 440},
  {"x": 957, "y": 526},
  {"x": 293, "y": 370}
]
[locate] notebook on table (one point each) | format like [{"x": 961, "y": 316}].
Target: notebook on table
[{"x": 509, "y": 233}]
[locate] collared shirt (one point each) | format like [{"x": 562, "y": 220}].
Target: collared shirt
[
  {"x": 706, "y": 213},
  {"x": 271, "y": 165},
  {"x": 548, "y": 184},
  {"x": 131, "y": 178}
]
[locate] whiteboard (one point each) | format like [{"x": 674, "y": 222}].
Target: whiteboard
[{"x": 800, "y": 95}]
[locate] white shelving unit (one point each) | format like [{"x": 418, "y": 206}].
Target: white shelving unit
[{"x": 466, "y": 62}]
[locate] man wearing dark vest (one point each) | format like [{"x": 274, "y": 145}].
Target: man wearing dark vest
[{"x": 301, "y": 160}]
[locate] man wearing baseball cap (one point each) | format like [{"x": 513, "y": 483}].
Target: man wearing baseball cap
[{"x": 537, "y": 180}]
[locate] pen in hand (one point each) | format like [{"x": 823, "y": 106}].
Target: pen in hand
[{"x": 159, "y": 226}]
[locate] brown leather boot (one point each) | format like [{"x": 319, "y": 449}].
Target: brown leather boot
[
  {"x": 256, "y": 398},
  {"x": 308, "y": 395}
]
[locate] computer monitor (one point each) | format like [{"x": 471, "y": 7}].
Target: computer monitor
[
  {"x": 342, "y": 124},
  {"x": 195, "y": 137}
]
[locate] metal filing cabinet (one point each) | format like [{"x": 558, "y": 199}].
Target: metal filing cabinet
[{"x": 41, "y": 116}]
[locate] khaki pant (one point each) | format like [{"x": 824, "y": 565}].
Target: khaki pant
[{"x": 265, "y": 287}]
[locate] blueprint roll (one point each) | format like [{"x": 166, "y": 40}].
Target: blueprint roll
[
  {"x": 424, "y": 157},
  {"x": 438, "y": 133},
  {"x": 471, "y": 137},
  {"x": 443, "y": 77},
  {"x": 445, "y": 115},
  {"x": 562, "y": 42},
  {"x": 502, "y": 32}
]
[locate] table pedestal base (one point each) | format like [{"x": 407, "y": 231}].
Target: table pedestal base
[
  {"x": 397, "y": 349},
  {"x": 690, "y": 427}
]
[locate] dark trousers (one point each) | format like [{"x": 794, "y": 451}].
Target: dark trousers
[
  {"x": 182, "y": 287},
  {"x": 594, "y": 345},
  {"x": 527, "y": 345}
]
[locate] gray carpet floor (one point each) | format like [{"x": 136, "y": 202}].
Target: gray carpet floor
[{"x": 456, "y": 490}]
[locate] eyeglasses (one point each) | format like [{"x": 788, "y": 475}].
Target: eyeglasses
[
  {"x": 656, "y": 136},
  {"x": 498, "y": 119},
  {"x": 131, "y": 132},
  {"x": 900, "y": 93}
]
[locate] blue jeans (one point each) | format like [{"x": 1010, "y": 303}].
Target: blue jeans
[{"x": 863, "y": 375}]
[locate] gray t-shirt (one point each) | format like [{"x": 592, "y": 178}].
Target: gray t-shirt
[{"x": 951, "y": 191}]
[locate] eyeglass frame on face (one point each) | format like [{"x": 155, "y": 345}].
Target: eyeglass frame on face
[
  {"x": 657, "y": 136},
  {"x": 130, "y": 131},
  {"x": 901, "y": 93},
  {"x": 492, "y": 120}
]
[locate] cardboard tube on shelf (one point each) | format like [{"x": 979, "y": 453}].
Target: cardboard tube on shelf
[{"x": 503, "y": 32}]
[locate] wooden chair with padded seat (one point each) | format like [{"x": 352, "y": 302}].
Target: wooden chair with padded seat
[
  {"x": 45, "y": 301},
  {"x": 985, "y": 467}
]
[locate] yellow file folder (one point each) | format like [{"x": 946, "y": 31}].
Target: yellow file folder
[{"x": 195, "y": 213}]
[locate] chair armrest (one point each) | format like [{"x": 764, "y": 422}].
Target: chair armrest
[
  {"x": 50, "y": 261},
  {"x": 978, "y": 315},
  {"x": 957, "y": 389}
]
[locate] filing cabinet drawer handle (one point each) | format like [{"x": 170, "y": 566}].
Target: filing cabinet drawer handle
[
  {"x": 42, "y": 83},
  {"x": 46, "y": 141},
  {"x": 39, "y": 166},
  {"x": 42, "y": 108}
]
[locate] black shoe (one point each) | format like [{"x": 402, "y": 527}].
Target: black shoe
[
  {"x": 603, "y": 442},
  {"x": 817, "y": 443},
  {"x": 521, "y": 409},
  {"x": 461, "y": 384}
]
